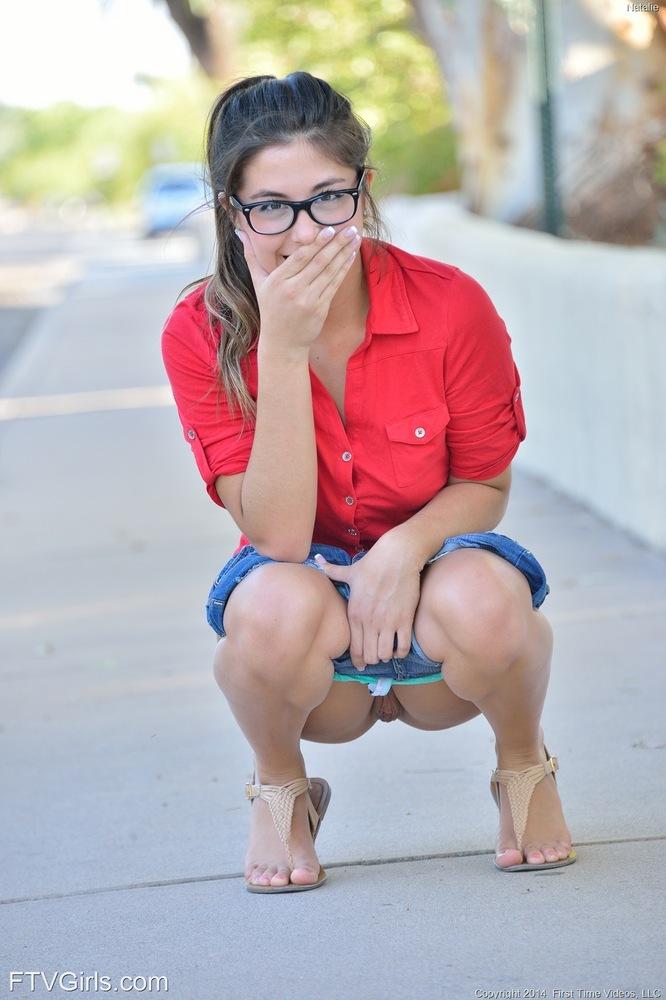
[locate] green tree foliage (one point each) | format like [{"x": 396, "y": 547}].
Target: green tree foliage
[
  {"x": 99, "y": 153},
  {"x": 62, "y": 151},
  {"x": 368, "y": 49},
  {"x": 660, "y": 169}
]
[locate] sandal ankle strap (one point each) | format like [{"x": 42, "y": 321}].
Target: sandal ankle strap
[
  {"x": 297, "y": 785},
  {"x": 520, "y": 787},
  {"x": 280, "y": 800}
]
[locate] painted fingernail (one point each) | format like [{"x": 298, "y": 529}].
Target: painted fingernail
[
  {"x": 328, "y": 232},
  {"x": 319, "y": 559},
  {"x": 351, "y": 231}
]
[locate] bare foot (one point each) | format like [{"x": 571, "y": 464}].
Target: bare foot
[
  {"x": 546, "y": 836},
  {"x": 266, "y": 859}
]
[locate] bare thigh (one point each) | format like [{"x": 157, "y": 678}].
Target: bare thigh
[
  {"x": 346, "y": 713},
  {"x": 473, "y": 577},
  {"x": 281, "y": 588},
  {"x": 433, "y": 706}
]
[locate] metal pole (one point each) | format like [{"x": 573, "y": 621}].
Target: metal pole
[{"x": 552, "y": 209}]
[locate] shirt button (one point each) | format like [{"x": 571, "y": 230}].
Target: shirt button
[
  {"x": 191, "y": 434},
  {"x": 352, "y": 531},
  {"x": 346, "y": 456},
  {"x": 420, "y": 432},
  {"x": 349, "y": 500}
]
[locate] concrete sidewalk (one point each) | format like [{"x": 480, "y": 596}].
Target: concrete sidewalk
[{"x": 124, "y": 769}]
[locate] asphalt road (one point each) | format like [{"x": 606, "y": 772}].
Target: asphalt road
[{"x": 41, "y": 257}]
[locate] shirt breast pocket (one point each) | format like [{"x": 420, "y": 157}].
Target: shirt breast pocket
[{"x": 418, "y": 447}]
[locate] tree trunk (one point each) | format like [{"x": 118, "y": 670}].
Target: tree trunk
[
  {"x": 609, "y": 101},
  {"x": 205, "y": 34}
]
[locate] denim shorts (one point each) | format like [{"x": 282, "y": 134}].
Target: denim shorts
[{"x": 416, "y": 667}]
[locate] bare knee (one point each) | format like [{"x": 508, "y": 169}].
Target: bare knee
[
  {"x": 279, "y": 612},
  {"x": 485, "y": 614}
]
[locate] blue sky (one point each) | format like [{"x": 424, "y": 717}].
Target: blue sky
[{"x": 86, "y": 51}]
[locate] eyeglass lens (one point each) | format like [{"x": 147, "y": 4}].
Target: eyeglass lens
[{"x": 274, "y": 217}]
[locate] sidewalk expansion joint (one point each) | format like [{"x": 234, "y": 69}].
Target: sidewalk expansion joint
[{"x": 359, "y": 863}]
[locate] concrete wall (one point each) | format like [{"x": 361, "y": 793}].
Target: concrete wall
[{"x": 588, "y": 327}]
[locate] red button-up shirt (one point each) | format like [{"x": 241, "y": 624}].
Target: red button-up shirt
[{"x": 432, "y": 391}]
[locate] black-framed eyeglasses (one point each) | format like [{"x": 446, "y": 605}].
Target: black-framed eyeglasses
[{"x": 330, "y": 208}]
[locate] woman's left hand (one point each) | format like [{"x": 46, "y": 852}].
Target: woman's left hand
[{"x": 385, "y": 587}]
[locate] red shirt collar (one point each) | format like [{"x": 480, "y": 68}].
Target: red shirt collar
[{"x": 389, "y": 310}]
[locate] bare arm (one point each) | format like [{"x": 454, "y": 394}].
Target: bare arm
[
  {"x": 278, "y": 497},
  {"x": 462, "y": 506},
  {"x": 275, "y": 501}
]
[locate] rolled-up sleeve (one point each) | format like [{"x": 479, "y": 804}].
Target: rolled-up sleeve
[
  {"x": 482, "y": 385},
  {"x": 218, "y": 441}
]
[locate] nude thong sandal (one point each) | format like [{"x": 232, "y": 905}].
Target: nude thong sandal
[
  {"x": 281, "y": 799},
  {"x": 520, "y": 786}
]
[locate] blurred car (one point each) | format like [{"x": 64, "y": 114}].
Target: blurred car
[{"x": 168, "y": 194}]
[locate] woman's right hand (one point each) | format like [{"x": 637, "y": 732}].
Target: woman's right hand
[{"x": 295, "y": 297}]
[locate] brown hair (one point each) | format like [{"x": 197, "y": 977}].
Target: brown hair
[{"x": 254, "y": 113}]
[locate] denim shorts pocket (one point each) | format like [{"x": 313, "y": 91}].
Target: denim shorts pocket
[
  {"x": 214, "y": 614},
  {"x": 535, "y": 575},
  {"x": 233, "y": 571},
  {"x": 230, "y": 564},
  {"x": 417, "y": 445}
]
